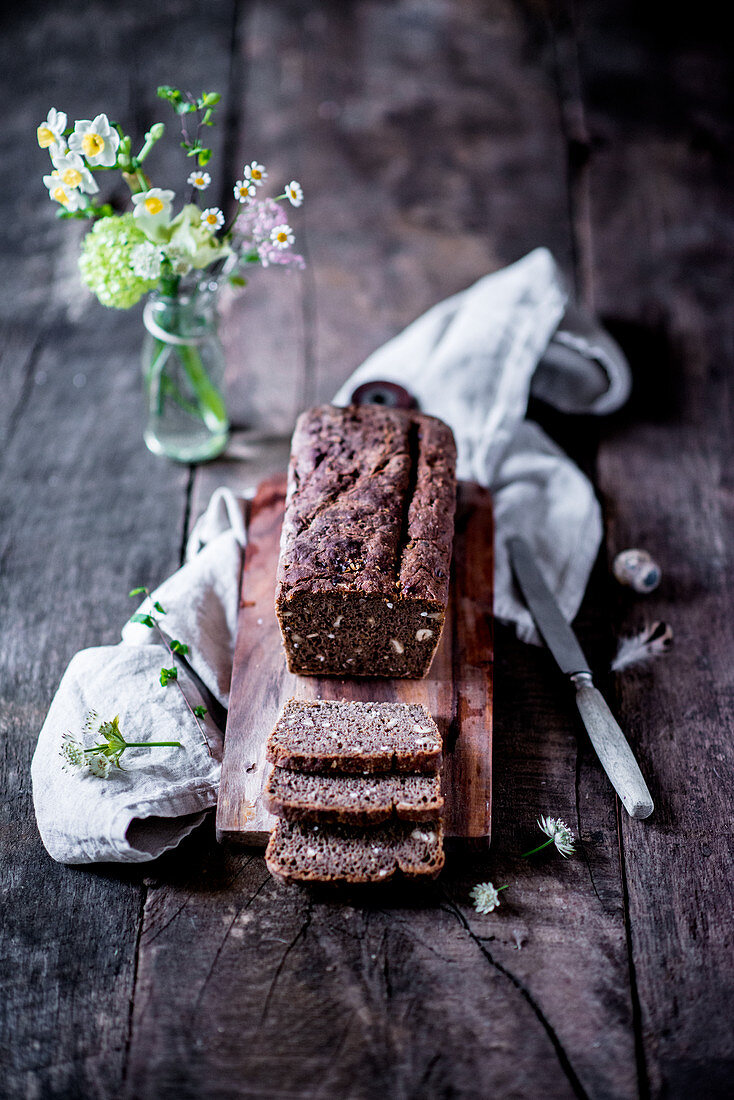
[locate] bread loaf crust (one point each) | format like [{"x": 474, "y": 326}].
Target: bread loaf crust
[{"x": 363, "y": 575}]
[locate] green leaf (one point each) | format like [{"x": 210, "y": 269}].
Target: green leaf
[
  {"x": 237, "y": 280},
  {"x": 165, "y": 91},
  {"x": 168, "y": 674},
  {"x": 138, "y": 591},
  {"x": 179, "y": 647},
  {"x": 111, "y": 733},
  {"x": 210, "y": 99},
  {"x": 146, "y": 620},
  {"x": 205, "y": 156},
  {"x": 159, "y": 609},
  {"x": 199, "y": 711}
]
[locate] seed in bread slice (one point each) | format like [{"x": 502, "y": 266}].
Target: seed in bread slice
[
  {"x": 352, "y": 799},
  {"x": 354, "y": 737},
  {"x": 300, "y": 852}
]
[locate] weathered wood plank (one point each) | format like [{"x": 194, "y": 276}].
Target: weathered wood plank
[
  {"x": 430, "y": 150},
  {"x": 659, "y": 219},
  {"x": 86, "y": 513}
]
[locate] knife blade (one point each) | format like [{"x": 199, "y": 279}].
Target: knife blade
[
  {"x": 217, "y": 711},
  {"x": 605, "y": 734}
]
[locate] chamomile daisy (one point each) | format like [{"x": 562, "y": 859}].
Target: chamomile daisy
[
  {"x": 244, "y": 190},
  {"x": 255, "y": 172},
  {"x": 199, "y": 180},
  {"x": 282, "y": 236},
  {"x": 294, "y": 193},
  {"x": 212, "y": 218}
]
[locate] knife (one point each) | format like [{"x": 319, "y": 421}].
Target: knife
[
  {"x": 605, "y": 735},
  {"x": 217, "y": 711}
]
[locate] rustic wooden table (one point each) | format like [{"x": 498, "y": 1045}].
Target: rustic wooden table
[{"x": 436, "y": 141}]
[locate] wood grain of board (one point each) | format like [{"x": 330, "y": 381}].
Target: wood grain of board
[{"x": 457, "y": 690}]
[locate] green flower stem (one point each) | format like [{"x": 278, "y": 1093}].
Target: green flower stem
[
  {"x": 210, "y": 400},
  {"x": 152, "y": 744},
  {"x": 538, "y": 849}
]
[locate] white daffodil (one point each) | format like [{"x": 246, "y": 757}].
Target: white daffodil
[
  {"x": 282, "y": 236},
  {"x": 74, "y": 173},
  {"x": 153, "y": 213},
  {"x": 199, "y": 180},
  {"x": 485, "y": 897},
  {"x": 212, "y": 218},
  {"x": 255, "y": 172},
  {"x": 96, "y": 141},
  {"x": 69, "y": 197},
  {"x": 294, "y": 193},
  {"x": 50, "y": 133},
  {"x": 244, "y": 190}
]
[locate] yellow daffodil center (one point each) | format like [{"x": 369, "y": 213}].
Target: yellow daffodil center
[
  {"x": 72, "y": 177},
  {"x": 60, "y": 195},
  {"x": 256, "y": 174},
  {"x": 46, "y": 136},
  {"x": 153, "y": 205},
  {"x": 199, "y": 181},
  {"x": 282, "y": 238},
  {"x": 92, "y": 144},
  {"x": 211, "y": 219}
]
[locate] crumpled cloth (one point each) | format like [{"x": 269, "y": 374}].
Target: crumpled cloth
[
  {"x": 473, "y": 360},
  {"x": 158, "y": 795}
]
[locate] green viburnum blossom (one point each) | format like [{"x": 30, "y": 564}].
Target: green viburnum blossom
[{"x": 106, "y": 262}]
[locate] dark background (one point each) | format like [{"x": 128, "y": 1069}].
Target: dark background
[{"x": 435, "y": 141}]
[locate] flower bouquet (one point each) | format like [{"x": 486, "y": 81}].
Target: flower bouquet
[{"x": 179, "y": 259}]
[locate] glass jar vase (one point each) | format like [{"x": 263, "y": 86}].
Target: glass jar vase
[{"x": 183, "y": 374}]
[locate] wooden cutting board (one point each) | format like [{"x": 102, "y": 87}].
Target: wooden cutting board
[{"x": 457, "y": 690}]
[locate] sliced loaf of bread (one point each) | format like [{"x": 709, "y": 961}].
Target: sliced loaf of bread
[
  {"x": 355, "y": 737},
  {"x": 300, "y": 852},
  {"x": 352, "y": 799}
]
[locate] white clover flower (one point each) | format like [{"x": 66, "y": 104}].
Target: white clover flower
[
  {"x": 199, "y": 180},
  {"x": 244, "y": 190},
  {"x": 146, "y": 260},
  {"x": 485, "y": 897},
  {"x": 50, "y": 133},
  {"x": 294, "y": 193},
  {"x": 74, "y": 173},
  {"x": 72, "y": 752},
  {"x": 96, "y": 141},
  {"x": 559, "y": 833},
  {"x": 100, "y": 765},
  {"x": 69, "y": 197},
  {"x": 153, "y": 210},
  {"x": 282, "y": 236},
  {"x": 255, "y": 172},
  {"x": 212, "y": 218}
]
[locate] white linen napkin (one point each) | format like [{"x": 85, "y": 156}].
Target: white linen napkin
[
  {"x": 474, "y": 359},
  {"x": 158, "y": 795}
]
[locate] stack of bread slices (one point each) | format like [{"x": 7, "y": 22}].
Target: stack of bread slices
[{"x": 357, "y": 791}]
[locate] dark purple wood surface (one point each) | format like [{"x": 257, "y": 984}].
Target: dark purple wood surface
[{"x": 435, "y": 142}]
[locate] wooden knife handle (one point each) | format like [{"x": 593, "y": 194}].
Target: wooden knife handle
[{"x": 611, "y": 747}]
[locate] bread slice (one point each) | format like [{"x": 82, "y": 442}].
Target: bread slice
[
  {"x": 298, "y": 852},
  {"x": 352, "y": 799},
  {"x": 353, "y": 737}
]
